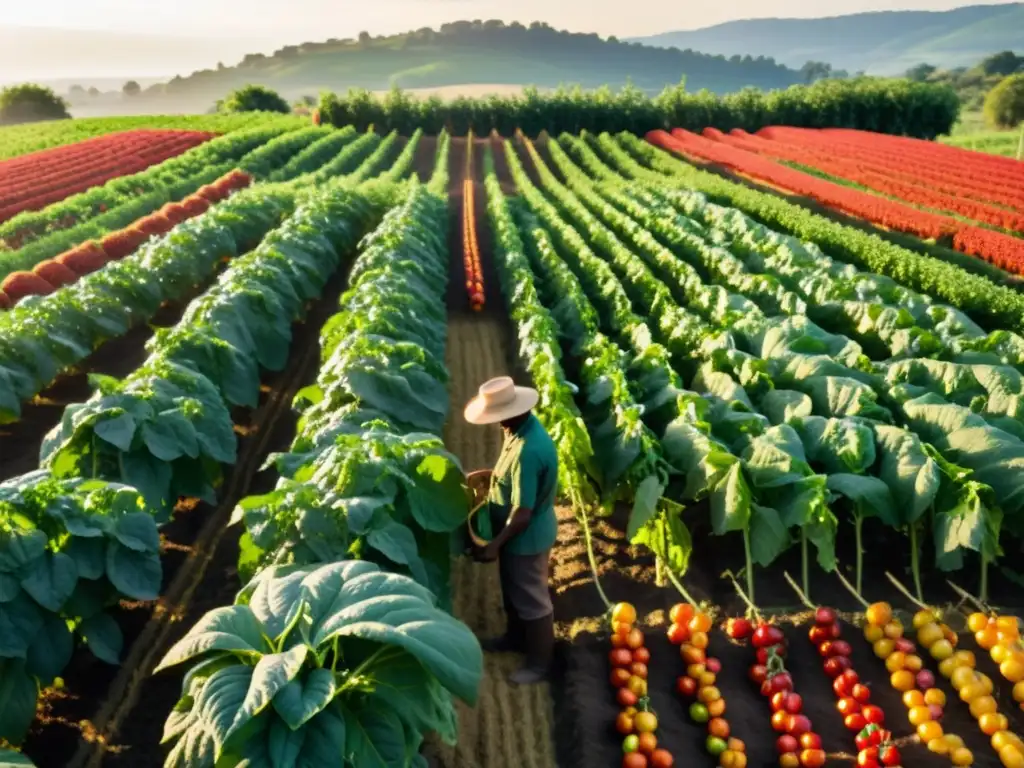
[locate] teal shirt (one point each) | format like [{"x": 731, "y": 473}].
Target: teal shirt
[{"x": 526, "y": 475}]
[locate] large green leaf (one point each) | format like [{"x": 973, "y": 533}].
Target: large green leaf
[
  {"x": 18, "y": 693},
  {"x": 271, "y": 674},
  {"x": 304, "y": 697}
]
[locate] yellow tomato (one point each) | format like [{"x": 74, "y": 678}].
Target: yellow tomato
[
  {"x": 971, "y": 692},
  {"x": 1013, "y": 668},
  {"x": 1008, "y": 624},
  {"x": 879, "y": 614},
  {"x": 919, "y": 715},
  {"x": 962, "y": 677},
  {"x": 913, "y": 699},
  {"x": 987, "y": 637},
  {"x": 948, "y": 666},
  {"x": 941, "y": 650},
  {"x": 985, "y": 682},
  {"x": 938, "y": 746},
  {"x": 954, "y": 741},
  {"x": 1011, "y": 757},
  {"x": 624, "y": 612},
  {"x": 873, "y": 633},
  {"x": 884, "y": 648},
  {"x": 965, "y": 659},
  {"x": 983, "y": 706},
  {"x": 732, "y": 759},
  {"x": 1001, "y": 739},
  {"x": 1000, "y": 653},
  {"x": 931, "y": 731},
  {"x": 893, "y": 630},
  {"x": 977, "y": 622},
  {"x": 923, "y": 617},
  {"x": 992, "y": 722},
  {"x": 935, "y": 696},
  {"x": 1018, "y": 692},
  {"x": 961, "y": 756},
  {"x": 902, "y": 680},
  {"x": 709, "y": 694},
  {"x": 929, "y": 634},
  {"x": 913, "y": 662},
  {"x": 894, "y": 662}
]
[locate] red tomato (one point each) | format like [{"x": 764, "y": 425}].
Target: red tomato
[
  {"x": 824, "y": 616},
  {"x": 873, "y": 714},
  {"x": 767, "y": 635},
  {"x": 798, "y": 725},
  {"x": 620, "y": 657},
  {"x": 840, "y": 648},
  {"x": 848, "y": 706},
  {"x": 642, "y": 655},
  {"x": 861, "y": 693},
  {"x": 779, "y": 701},
  {"x": 836, "y": 665},
  {"x": 786, "y": 743},
  {"x": 868, "y": 758},
  {"x": 714, "y": 665},
  {"x": 634, "y": 760},
  {"x": 662, "y": 759},
  {"x": 904, "y": 645},
  {"x": 810, "y": 740},
  {"x": 739, "y": 629},
  {"x": 758, "y": 673},
  {"x": 794, "y": 703},
  {"x": 686, "y": 686},
  {"x": 855, "y": 722},
  {"x": 889, "y": 756},
  {"x": 619, "y": 677},
  {"x": 819, "y": 634},
  {"x": 678, "y": 634},
  {"x": 626, "y": 697}
]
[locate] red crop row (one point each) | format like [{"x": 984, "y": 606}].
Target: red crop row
[
  {"x": 471, "y": 248},
  {"x": 49, "y": 275},
  {"x": 973, "y": 174},
  {"x": 1002, "y": 250},
  {"x": 868, "y": 175},
  {"x": 34, "y": 188}
]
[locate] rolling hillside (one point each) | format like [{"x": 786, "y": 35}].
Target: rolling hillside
[
  {"x": 884, "y": 43},
  {"x": 465, "y": 53}
]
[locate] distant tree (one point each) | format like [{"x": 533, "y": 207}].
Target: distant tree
[
  {"x": 1004, "y": 105},
  {"x": 813, "y": 71},
  {"x": 306, "y": 101},
  {"x": 921, "y": 72},
  {"x": 94, "y": 91},
  {"x": 131, "y": 88},
  {"x": 364, "y": 37},
  {"x": 76, "y": 91},
  {"x": 612, "y": 39},
  {"x": 1002, "y": 63},
  {"x": 220, "y": 66},
  {"x": 29, "y": 102},
  {"x": 254, "y": 98},
  {"x": 252, "y": 60}
]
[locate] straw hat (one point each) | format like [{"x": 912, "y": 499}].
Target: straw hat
[{"x": 499, "y": 400}]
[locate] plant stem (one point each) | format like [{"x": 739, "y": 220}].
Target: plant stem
[
  {"x": 799, "y": 592},
  {"x": 804, "y": 568},
  {"x": 915, "y": 563},
  {"x": 851, "y": 589},
  {"x": 679, "y": 585},
  {"x": 659, "y": 572},
  {"x": 582, "y": 514},
  {"x": 983, "y": 589},
  {"x": 858, "y": 532},
  {"x": 979, "y": 604},
  {"x": 751, "y": 608},
  {"x": 906, "y": 592},
  {"x": 748, "y": 556}
]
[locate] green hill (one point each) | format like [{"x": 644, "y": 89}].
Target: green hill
[
  {"x": 884, "y": 43},
  {"x": 473, "y": 52}
]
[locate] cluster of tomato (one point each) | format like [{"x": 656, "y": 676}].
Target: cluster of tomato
[
  {"x": 636, "y": 721},
  {"x": 1000, "y": 636},
  {"x": 471, "y": 248},
  {"x": 924, "y": 701},
  {"x": 798, "y": 745},
  {"x": 689, "y": 630},
  {"x": 874, "y": 747},
  {"x": 974, "y": 688}
]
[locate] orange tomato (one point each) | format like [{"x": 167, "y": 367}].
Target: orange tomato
[
  {"x": 737, "y": 745},
  {"x": 624, "y": 612},
  {"x": 929, "y": 730},
  {"x": 719, "y": 727},
  {"x": 642, "y": 655},
  {"x": 700, "y": 622},
  {"x": 716, "y": 708},
  {"x": 635, "y": 639},
  {"x": 639, "y": 669},
  {"x": 648, "y": 743},
  {"x": 879, "y": 614},
  {"x": 699, "y": 640},
  {"x": 624, "y": 723},
  {"x": 620, "y": 677},
  {"x": 681, "y": 614}
]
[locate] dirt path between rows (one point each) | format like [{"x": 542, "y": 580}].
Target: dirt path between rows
[{"x": 510, "y": 725}]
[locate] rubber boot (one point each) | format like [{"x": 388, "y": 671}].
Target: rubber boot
[
  {"x": 512, "y": 641},
  {"x": 539, "y": 635}
]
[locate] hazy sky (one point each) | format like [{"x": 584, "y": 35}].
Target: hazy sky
[{"x": 298, "y": 20}]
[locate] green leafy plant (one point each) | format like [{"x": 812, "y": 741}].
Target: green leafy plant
[{"x": 338, "y": 664}]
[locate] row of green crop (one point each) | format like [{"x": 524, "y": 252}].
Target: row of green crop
[
  {"x": 81, "y": 533},
  {"x": 887, "y": 106},
  {"x": 18, "y": 140},
  {"x": 815, "y": 405},
  {"x": 365, "y": 661},
  {"x": 46, "y": 335}
]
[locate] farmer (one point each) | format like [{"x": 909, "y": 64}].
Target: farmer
[{"x": 520, "y": 511}]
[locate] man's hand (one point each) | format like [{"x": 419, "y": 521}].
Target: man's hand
[{"x": 485, "y": 554}]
